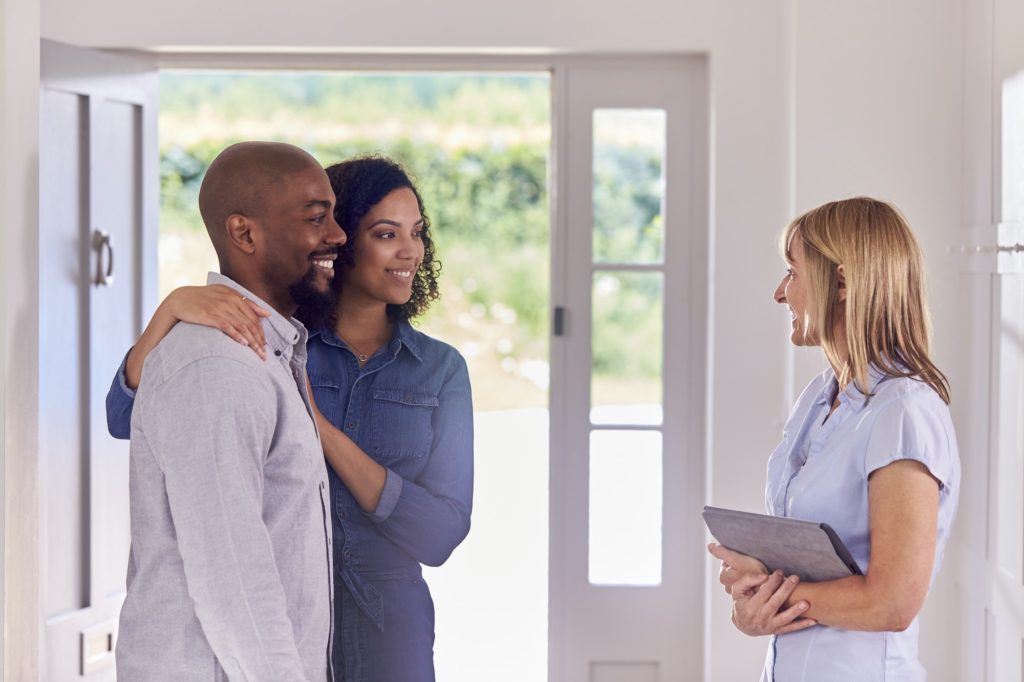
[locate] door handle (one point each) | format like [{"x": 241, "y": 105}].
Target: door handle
[
  {"x": 559, "y": 321},
  {"x": 103, "y": 246}
]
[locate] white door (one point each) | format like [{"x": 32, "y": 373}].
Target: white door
[
  {"x": 630, "y": 254},
  {"x": 97, "y": 207},
  {"x": 988, "y": 557},
  {"x": 987, "y": 551}
]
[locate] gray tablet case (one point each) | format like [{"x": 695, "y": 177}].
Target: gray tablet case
[{"x": 810, "y": 550}]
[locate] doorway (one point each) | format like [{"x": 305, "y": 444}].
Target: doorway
[
  {"x": 477, "y": 146},
  {"x": 569, "y": 198}
]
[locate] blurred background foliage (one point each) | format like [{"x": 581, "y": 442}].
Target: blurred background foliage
[{"x": 478, "y": 149}]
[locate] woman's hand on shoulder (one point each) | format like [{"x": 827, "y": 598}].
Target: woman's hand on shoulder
[
  {"x": 214, "y": 305},
  {"x": 223, "y": 308},
  {"x": 758, "y": 602}
]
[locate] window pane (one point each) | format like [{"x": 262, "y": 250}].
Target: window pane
[
  {"x": 625, "y": 508},
  {"x": 626, "y": 332},
  {"x": 629, "y": 185},
  {"x": 1013, "y": 148}
]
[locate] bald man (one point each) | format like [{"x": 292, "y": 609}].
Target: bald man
[{"x": 230, "y": 574}]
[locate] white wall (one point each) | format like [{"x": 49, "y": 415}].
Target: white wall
[
  {"x": 811, "y": 100},
  {"x": 19, "y": 124},
  {"x": 880, "y": 112}
]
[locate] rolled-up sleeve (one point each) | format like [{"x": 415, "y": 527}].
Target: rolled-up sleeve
[
  {"x": 430, "y": 516},
  {"x": 210, "y": 426},
  {"x": 120, "y": 401}
]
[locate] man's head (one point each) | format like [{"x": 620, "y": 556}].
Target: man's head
[{"x": 269, "y": 209}]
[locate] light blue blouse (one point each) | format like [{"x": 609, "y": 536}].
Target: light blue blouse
[{"x": 820, "y": 473}]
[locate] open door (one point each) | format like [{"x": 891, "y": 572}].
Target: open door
[{"x": 98, "y": 202}]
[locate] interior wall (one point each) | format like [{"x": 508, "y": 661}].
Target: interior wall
[
  {"x": 19, "y": 125},
  {"x": 879, "y": 112},
  {"x": 810, "y": 101}
]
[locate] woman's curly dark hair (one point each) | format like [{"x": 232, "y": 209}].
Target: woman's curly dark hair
[{"x": 361, "y": 183}]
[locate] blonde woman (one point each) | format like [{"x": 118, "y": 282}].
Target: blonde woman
[{"x": 869, "y": 449}]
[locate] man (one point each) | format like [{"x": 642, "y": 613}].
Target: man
[{"x": 230, "y": 569}]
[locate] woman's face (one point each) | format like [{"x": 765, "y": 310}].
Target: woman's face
[
  {"x": 793, "y": 292},
  {"x": 387, "y": 251}
]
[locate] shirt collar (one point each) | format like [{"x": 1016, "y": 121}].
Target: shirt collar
[
  {"x": 285, "y": 336},
  {"x": 851, "y": 394},
  {"x": 403, "y": 336},
  {"x": 408, "y": 337}
]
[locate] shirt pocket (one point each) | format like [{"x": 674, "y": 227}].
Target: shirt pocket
[{"x": 400, "y": 423}]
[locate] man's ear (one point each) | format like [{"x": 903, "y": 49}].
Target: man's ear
[
  {"x": 240, "y": 232},
  {"x": 842, "y": 283}
]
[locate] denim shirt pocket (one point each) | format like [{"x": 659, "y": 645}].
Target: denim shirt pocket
[{"x": 400, "y": 421}]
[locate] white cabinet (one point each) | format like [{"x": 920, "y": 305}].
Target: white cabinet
[{"x": 97, "y": 220}]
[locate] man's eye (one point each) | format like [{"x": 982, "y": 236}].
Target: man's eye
[{"x": 320, "y": 219}]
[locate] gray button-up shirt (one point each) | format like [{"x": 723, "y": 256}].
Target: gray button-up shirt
[{"x": 230, "y": 572}]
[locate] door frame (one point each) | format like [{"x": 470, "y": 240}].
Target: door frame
[{"x": 558, "y": 64}]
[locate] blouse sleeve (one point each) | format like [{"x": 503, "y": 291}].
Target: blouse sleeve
[{"x": 916, "y": 427}]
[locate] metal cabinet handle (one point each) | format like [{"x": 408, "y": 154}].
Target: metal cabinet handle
[{"x": 101, "y": 243}]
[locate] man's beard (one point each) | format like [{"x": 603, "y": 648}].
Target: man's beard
[{"x": 315, "y": 306}]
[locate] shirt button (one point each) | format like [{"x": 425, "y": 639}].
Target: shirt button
[{"x": 277, "y": 353}]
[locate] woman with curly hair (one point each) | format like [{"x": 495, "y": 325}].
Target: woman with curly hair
[{"x": 393, "y": 408}]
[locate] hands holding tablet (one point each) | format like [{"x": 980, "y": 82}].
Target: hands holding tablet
[{"x": 759, "y": 598}]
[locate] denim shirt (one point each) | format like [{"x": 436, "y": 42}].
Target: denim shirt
[
  {"x": 410, "y": 409},
  {"x": 819, "y": 472}
]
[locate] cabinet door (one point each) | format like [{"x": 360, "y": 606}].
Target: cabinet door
[{"x": 97, "y": 207}]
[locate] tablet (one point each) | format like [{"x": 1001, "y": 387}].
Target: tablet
[{"x": 810, "y": 550}]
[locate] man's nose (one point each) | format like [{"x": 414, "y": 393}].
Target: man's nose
[{"x": 335, "y": 235}]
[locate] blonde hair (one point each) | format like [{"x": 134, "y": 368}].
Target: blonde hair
[{"x": 886, "y": 316}]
